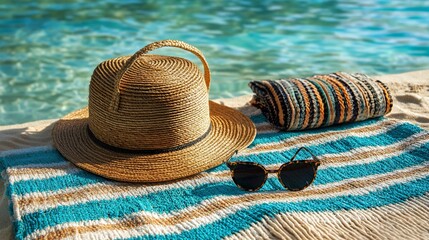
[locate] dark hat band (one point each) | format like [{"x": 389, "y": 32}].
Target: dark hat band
[{"x": 145, "y": 151}]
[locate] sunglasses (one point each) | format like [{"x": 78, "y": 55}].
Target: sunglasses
[{"x": 294, "y": 175}]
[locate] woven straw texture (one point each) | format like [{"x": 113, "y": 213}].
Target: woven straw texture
[
  {"x": 321, "y": 100},
  {"x": 149, "y": 120},
  {"x": 373, "y": 183}
]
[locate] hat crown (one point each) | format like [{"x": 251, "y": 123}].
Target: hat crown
[{"x": 150, "y": 102}]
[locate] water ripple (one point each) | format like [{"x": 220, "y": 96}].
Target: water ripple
[{"x": 48, "y": 50}]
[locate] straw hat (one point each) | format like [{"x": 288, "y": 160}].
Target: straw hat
[{"x": 149, "y": 119}]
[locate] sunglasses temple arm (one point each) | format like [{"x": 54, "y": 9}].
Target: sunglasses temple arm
[{"x": 307, "y": 150}]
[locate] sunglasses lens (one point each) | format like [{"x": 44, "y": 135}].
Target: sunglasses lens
[
  {"x": 297, "y": 176},
  {"x": 248, "y": 177}
]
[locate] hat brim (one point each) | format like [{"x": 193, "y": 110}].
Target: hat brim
[{"x": 230, "y": 131}]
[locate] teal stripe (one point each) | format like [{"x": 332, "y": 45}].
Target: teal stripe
[
  {"x": 264, "y": 138},
  {"x": 260, "y": 118},
  {"x": 37, "y": 157},
  {"x": 190, "y": 196},
  {"x": 243, "y": 219},
  {"x": 339, "y": 145}
]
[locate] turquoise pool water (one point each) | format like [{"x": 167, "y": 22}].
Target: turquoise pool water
[{"x": 48, "y": 50}]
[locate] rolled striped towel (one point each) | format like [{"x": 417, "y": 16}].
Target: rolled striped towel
[{"x": 321, "y": 100}]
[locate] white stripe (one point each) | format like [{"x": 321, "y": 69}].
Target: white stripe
[
  {"x": 221, "y": 213},
  {"x": 203, "y": 178},
  {"x": 335, "y": 224},
  {"x": 68, "y": 168},
  {"x": 325, "y": 137},
  {"x": 377, "y": 149}
]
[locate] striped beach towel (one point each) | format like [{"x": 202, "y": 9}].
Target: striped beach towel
[{"x": 373, "y": 183}]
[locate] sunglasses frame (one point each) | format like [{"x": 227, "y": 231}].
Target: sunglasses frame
[{"x": 315, "y": 163}]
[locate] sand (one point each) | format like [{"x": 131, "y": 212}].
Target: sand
[{"x": 411, "y": 103}]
